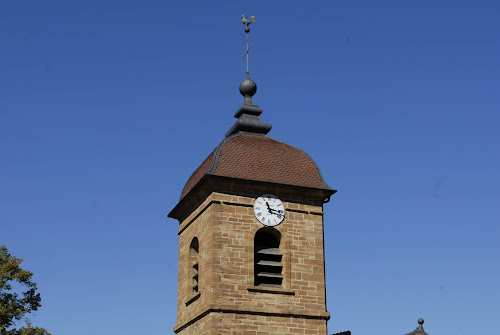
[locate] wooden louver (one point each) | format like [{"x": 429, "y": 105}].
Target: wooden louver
[
  {"x": 195, "y": 277},
  {"x": 194, "y": 254},
  {"x": 268, "y": 266}
]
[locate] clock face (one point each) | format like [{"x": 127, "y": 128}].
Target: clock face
[{"x": 269, "y": 210}]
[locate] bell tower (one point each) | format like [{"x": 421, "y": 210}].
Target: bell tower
[{"x": 251, "y": 242}]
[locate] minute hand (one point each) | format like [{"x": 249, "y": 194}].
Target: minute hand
[{"x": 275, "y": 211}]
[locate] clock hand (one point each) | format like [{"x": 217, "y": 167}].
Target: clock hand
[
  {"x": 277, "y": 211},
  {"x": 278, "y": 214},
  {"x": 269, "y": 208}
]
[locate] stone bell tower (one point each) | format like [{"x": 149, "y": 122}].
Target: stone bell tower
[{"x": 251, "y": 242}]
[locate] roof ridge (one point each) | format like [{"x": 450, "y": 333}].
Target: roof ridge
[{"x": 218, "y": 150}]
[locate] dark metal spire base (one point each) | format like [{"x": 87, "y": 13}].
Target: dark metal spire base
[
  {"x": 249, "y": 121},
  {"x": 248, "y": 114}
]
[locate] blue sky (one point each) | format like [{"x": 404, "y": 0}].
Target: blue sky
[{"x": 107, "y": 107}]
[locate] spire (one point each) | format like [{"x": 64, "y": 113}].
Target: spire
[
  {"x": 420, "y": 329},
  {"x": 248, "y": 113}
]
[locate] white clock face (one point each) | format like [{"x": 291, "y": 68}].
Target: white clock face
[{"x": 269, "y": 210}]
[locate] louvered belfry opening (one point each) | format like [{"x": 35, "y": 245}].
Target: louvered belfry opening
[
  {"x": 194, "y": 259},
  {"x": 268, "y": 258}
]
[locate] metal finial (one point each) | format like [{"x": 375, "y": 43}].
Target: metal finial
[
  {"x": 247, "y": 22},
  {"x": 248, "y": 114},
  {"x": 420, "y": 329}
]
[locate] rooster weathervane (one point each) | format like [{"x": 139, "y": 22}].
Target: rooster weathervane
[{"x": 247, "y": 22}]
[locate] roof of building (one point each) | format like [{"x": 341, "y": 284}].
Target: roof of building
[
  {"x": 347, "y": 332},
  {"x": 248, "y": 153},
  {"x": 258, "y": 157},
  {"x": 420, "y": 329}
]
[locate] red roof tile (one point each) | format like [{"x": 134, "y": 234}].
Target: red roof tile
[{"x": 259, "y": 158}]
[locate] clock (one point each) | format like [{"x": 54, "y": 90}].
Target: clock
[{"x": 269, "y": 210}]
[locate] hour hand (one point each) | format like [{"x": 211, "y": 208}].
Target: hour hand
[{"x": 269, "y": 208}]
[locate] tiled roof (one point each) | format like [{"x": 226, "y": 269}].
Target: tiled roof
[
  {"x": 202, "y": 170},
  {"x": 259, "y": 158}
]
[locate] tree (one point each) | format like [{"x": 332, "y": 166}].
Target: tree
[{"x": 15, "y": 308}]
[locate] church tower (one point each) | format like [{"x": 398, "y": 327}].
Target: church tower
[{"x": 251, "y": 242}]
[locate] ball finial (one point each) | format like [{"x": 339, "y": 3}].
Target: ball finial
[
  {"x": 248, "y": 87},
  {"x": 420, "y": 321}
]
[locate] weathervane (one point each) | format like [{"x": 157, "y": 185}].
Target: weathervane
[{"x": 247, "y": 30}]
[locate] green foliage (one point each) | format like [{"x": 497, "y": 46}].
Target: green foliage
[{"x": 15, "y": 307}]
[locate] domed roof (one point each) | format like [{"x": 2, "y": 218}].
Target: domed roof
[{"x": 259, "y": 158}]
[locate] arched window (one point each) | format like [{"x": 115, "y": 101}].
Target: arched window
[
  {"x": 194, "y": 259},
  {"x": 268, "y": 265}
]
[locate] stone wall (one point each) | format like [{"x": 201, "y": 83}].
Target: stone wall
[{"x": 227, "y": 301}]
